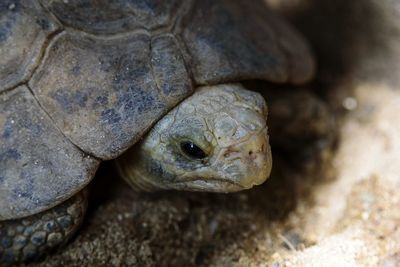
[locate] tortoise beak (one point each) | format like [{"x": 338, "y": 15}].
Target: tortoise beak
[{"x": 252, "y": 160}]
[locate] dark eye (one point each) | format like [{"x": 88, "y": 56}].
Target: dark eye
[{"x": 192, "y": 150}]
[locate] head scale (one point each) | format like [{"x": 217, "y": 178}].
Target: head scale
[{"x": 216, "y": 140}]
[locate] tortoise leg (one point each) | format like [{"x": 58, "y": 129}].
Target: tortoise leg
[
  {"x": 32, "y": 237},
  {"x": 300, "y": 124},
  {"x": 299, "y": 117}
]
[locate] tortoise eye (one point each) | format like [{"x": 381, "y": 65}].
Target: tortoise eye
[{"x": 192, "y": 150}]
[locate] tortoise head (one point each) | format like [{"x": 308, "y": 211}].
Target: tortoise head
[{"x": 216, "y": 140}]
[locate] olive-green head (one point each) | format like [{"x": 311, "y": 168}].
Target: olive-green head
[{"x": 215, "y": 141}]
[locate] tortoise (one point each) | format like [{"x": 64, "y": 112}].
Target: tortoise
[{"x": 83, "y": 81}]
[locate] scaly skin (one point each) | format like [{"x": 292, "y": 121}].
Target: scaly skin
[
  {"x": 30, "y": 237},
  {"x": 227, "y": 122}
]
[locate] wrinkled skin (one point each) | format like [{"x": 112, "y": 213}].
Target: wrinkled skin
[{"x": 215, "y": 141}]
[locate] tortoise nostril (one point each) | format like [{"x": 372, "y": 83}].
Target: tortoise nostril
[{"x": 250, "y": 152}]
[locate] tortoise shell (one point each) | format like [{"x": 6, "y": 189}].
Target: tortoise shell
[{"x": 81, "y": 80}]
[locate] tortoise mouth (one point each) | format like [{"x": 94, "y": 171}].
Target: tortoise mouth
[{"x": 209, "y": 185}]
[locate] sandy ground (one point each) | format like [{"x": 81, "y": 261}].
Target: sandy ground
[{"x": 339, "y": 207}]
